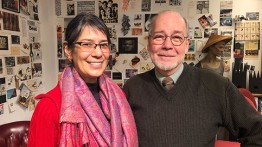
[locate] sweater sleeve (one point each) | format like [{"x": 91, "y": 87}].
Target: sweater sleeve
[
  {"x": 44, "y": 126},
  {"x": 242, "y": 119}
]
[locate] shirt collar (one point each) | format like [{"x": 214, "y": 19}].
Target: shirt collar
[{"x": 174, "y": 76}]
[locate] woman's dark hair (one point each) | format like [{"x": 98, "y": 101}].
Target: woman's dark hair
[{"x": 77, "y": 24}]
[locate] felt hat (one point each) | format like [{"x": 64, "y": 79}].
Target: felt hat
[{"x": 213, "y": 39}]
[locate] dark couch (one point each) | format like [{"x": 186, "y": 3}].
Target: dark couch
[{"x": 14, "y": 134}]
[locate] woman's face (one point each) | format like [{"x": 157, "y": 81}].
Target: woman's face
[
  {"x": 90, "y": 64},
  {"x": 219, "y": 48}
]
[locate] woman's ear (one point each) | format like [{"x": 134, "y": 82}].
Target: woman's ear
[{"x": 68, "y": 51}]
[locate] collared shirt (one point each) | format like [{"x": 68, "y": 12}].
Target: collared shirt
[{"x": 174, "y": 76}]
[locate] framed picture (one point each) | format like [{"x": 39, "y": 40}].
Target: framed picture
[
  {"x": 128, "y": 45},
  {"x": 12, "y": 5},
  {"x": 3, "y": 43}
]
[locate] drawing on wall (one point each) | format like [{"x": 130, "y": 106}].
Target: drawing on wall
[{"x": 12, "y": 5}]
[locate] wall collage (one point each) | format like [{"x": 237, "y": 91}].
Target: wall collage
[
  {"x": 20, "y": 55},
  {"x": 127, "y": 20}
]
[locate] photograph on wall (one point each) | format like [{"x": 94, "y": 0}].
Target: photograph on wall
[
  {"x": 202, "y": 7},
  {"x": 175, "y": 2},
  {"x": 11, "y": 22},
  {"x": 144, "y": 53},
  {"x": 148, "y": 18},
  {"x": 2, "y": 91},
  {"x": 11, "y": 93},
  {"x": 70, "y": 7},
  {"x": 117, "y": 76},
  {"x": 33, "y": 9},
  {"x": 226, "y": 8},
  {"x": 108, "y": 11},
  {"x": 24, "y": 95},
  {"x": 146, "y": 66},
  {"x": 131, "y": 72},
  {"x": 15, "y": 39},
  {"x": 251, "y": 49},
  {"x": 203, "y": 21},
  {"x": 24, "y": 7},
  {"x": 12, "y": 5},
  {"x": 191, "y": 46},
  {"x": 252, "y": 15},
  {"x": 86, "y": 6},
  {"x": 9, "y": 61},
  {"x": 146, "y": 5},
  {"x": 1, "y": 109},
  {"x": 34, "y": 84},
  {"x": 37, "y": 70},
  {"x": 1, "y": 66},
  {"x": 24, "y": 72},
  {"x": 128, "y": 45},
  {"x": 3, "y": 43}
]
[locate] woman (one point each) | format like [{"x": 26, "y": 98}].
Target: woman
[
  {"x": 86, "y": 108},
  {"x": 214, "y": 49}
]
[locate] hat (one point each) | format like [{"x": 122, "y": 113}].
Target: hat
[{"x": 213, "y": 39}]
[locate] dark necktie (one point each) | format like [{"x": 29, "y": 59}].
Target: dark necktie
[{"x": 168, "y": 83}]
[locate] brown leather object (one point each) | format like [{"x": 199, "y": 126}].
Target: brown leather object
[{"x": 14, "y": 134}]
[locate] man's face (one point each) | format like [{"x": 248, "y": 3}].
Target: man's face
[
  {"x": 128, "y": 45},
  {"x": 167, "y": 57}
]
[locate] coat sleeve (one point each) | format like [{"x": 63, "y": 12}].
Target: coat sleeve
[{"x": 44, "y": 127}]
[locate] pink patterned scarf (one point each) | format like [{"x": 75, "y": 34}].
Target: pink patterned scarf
[{"x": 84, "y": 122}]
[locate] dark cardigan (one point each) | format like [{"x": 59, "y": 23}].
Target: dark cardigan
[{"x": 190, "y": 114}]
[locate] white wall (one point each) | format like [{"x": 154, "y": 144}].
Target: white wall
[{"x": 49, "y": 63}]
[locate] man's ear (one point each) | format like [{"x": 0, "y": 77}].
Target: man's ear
[{"x": 68, "y": 51}]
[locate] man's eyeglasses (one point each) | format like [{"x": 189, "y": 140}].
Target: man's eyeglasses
[
  {"x": 89, "y": 47},
  {"x": 160, "y": 38}
]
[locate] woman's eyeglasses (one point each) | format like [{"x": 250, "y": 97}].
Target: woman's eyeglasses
[{"x": 89, "y": 47}]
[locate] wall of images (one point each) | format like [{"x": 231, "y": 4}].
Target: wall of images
[
  {"x": 20, "y": 58},
  {"x": 128, "y": 22},
  {"x": 22, "y": 44}
]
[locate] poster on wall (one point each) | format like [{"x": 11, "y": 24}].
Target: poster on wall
[{"x": 108, "y": 11}]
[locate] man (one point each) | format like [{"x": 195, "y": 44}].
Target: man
[{"x": 190, "y": 113}]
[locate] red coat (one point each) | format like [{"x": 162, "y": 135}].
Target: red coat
[{"x": 45, "y": 127}]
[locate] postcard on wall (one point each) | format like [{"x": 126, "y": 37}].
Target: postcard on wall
[{"x": 11, "y": 5}]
